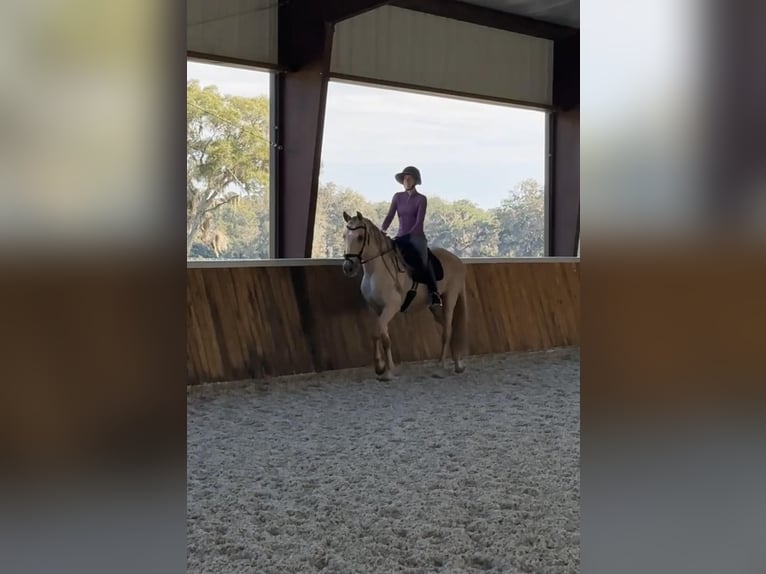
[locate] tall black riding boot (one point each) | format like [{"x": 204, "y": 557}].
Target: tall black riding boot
[{"x": 436, "y": 299}]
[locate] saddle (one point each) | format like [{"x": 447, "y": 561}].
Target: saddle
[{"x": 413, "y": 265}]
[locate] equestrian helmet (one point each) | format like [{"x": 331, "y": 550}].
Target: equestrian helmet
[{"x": 409, "y": 170}]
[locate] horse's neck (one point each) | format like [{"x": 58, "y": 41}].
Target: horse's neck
[
  {"x": 374, "y": 265},
  {"x": 386, "y": 262}
]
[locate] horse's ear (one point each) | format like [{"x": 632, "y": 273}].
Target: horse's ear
[
  {"x": 359, "y": 215},
  {"x": 346, "y": 216}
]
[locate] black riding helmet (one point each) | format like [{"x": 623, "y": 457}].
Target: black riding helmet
[{"x": 409, "y": 170}]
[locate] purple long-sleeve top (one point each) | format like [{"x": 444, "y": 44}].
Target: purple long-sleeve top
[{"x": 411, "y": 210}]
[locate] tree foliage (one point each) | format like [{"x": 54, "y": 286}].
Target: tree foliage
[
  {"x": 228, "y": 200},
  {"x": 227, "y": 159},
  {"x": 521, "y": 221}
]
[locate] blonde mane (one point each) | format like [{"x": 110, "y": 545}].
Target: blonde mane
[
  {"x": 382, "y": 241},
  {"x": 384, "y": 245}
]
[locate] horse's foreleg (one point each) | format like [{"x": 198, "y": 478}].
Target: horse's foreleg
[
  {"x": 448, "y": 310},
  {"x": 379, "y": 360},
  {"x": 390, "y": 358},
  {"x": 388, "y": 313}
]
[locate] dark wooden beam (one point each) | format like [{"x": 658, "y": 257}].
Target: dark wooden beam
[
  {"x": 305, "y": 29},
  {"x": 305, "y": 43},
  {"x": 566, "y": 72},
  {"x": 482, "y": 16},
  {"x": 337, "y": 10},
  {"x": 564, "y": 178},
  {"x": 301, "y": 34},
  {"x": 564, "y": 196}
]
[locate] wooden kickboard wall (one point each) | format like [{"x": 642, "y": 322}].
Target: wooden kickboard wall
[{"x": 254, "y": 322}]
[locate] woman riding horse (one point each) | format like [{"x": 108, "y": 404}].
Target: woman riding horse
[{"x": 411, "y": 205}]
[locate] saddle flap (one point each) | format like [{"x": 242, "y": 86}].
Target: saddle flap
[
  {"x": 412, "y": 261},
  {"x": 433, "y": 260}
]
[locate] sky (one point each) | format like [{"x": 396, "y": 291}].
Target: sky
[{"x": 464, "y": 149}]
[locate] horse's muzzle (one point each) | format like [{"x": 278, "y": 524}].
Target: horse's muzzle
[{"x": 350, "y": 268}]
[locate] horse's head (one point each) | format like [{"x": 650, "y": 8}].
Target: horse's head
[
  {"x": 363, "y": 242},
  {"x": 356, "y": 240}
]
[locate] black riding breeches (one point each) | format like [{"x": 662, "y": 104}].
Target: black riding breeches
[{"x": 420, "y": 244}]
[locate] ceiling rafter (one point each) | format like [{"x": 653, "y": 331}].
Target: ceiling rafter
[{"x": 475, "y": 14}]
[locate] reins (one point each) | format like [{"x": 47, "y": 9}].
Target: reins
[
  {"x": 381, "y": 253},
  {"x": 364, "y": 244}
]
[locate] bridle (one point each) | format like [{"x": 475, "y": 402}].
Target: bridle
[{"x": 350, "y": 256}]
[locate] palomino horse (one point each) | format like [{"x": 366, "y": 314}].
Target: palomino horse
[{"x": 389, "y": 288}]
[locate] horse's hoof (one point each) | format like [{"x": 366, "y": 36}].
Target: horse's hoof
[
  {"x": 385, "y": 376},
  {"x": 379, "y": 370},
  {"x": 459, "y": 367}
]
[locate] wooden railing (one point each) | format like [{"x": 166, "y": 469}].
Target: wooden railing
[{"x": 253, "y": 319}]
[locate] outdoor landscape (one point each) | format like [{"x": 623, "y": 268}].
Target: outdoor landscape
[{"x": 228, "y": 194}]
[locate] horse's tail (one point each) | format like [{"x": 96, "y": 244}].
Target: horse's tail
[{"x": 460, "y": 325}]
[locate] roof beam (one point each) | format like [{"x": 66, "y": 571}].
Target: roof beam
[
  {"x": 564, "y": 177},
  {"x": 456, "y": 10},
  {"x": 305, "y": 43},
  {"x": 337, "y": 10},
  {"x": 566, "y": 73},
  {"x": 301, "y": 33},
  {"x": 564, "y": 184}
]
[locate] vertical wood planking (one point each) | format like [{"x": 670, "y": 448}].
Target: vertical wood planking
[
  {"x": 253, "y": 322},
  {"x": 207, "y": 362}
]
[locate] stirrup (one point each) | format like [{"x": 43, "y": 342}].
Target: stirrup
[{"x": 436, "y": 300}]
